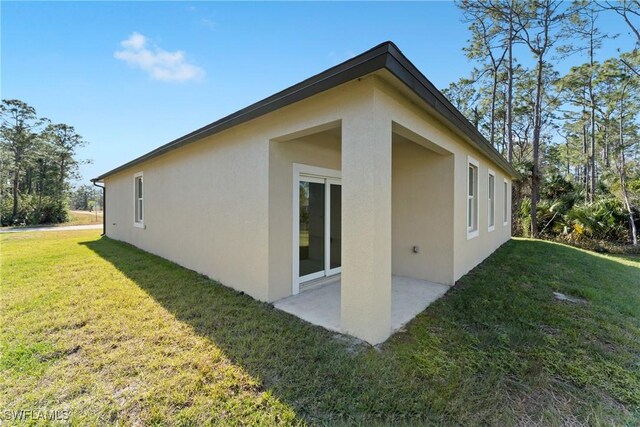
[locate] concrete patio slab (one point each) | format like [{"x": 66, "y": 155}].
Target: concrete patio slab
[{"x": 321, "y": 305}]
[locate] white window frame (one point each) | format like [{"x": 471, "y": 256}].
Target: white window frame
[
  {"x": 491, "y": 201},
  {"x": 312, "y": 174},
  {"x": 506, "y": 208},
  {"x": 471, "y": 231},
  {"x": 138, "y": 222}
]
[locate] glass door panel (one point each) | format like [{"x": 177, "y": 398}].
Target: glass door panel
[
  {"x": 312, "y": 229},
  {"x": 335, "y": 225}
]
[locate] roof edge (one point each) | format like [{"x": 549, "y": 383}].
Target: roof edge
[
  {"x": 400, "y": 66},
  {"x": 384, "y": 55}
]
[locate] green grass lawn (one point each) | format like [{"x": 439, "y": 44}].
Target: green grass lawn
[{"x": 116, "y": 335}]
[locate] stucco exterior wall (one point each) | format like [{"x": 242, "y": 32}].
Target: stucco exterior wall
[
  {"x": 422, "y": 203},
  {"x": 207, "y": 205},
  {"x": 365, "y": 289},
  {"x": 468, "y": 253}
]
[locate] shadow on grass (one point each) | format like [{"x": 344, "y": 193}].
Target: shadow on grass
[
  {"x": 323, "y": 376},
  {"x": 456, "y": 362}
]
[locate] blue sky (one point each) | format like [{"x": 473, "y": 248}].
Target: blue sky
[{"x": 114, "y": 70}]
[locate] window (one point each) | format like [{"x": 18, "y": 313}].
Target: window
[
  {"x": 492, "y": 200},
  {"x": 472, "y": 198},
  {"x": 138, "y": 213},
  {"x": 505, "y": 205}
]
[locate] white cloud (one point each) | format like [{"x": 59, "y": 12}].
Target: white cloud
[
  {"x": 210, "y": 24},
  {"x": 160, "y": 64}
]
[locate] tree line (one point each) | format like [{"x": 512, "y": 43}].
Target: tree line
[
  {"x": 573, "y": 135},
  {"x": 37, "y": 166}
]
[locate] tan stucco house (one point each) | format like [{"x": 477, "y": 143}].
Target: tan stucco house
[{"x": 364, "y": 173}]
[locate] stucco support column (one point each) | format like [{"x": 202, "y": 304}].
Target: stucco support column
[{"x": 366, "y": 223}]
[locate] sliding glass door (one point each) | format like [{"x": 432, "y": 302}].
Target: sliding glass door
[{"x": 319, "y": 227}]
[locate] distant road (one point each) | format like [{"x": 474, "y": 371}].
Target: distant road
[{"x": 64, "y": 228}]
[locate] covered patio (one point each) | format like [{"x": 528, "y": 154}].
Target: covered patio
[
  {"x": 371, "y": 220},
  {"x": 320, "y": 304}
]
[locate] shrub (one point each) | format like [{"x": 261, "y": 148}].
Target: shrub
[
  {"x": 524, "y": 216},
  {"x": 32, "y": 211},
  {"x": 569, "y": 218},
  {"x": 604, "y": 219}
]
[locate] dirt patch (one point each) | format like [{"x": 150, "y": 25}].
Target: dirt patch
[{"x": 567, "y": 298}]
